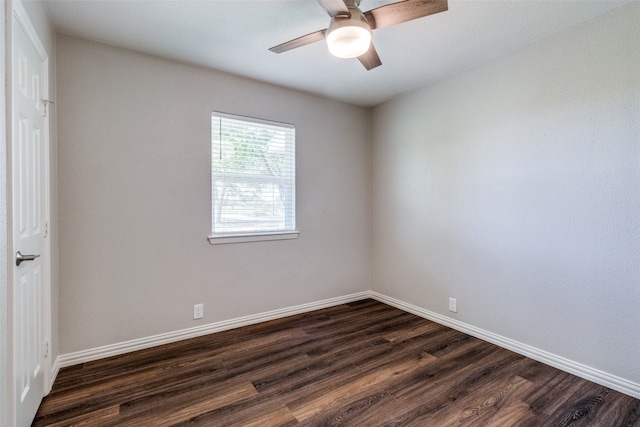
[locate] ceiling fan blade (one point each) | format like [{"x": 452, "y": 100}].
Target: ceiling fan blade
[
  {"x": 370, "y": 59},
  {"x": 334, "y": 7},
  {"x": 300, "y": 41},
  {"x": 403, "y": 11}
]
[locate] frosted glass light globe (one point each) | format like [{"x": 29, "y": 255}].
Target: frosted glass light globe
[{"x": 348, "y": 38}]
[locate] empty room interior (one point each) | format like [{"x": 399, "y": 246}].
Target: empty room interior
[{"x": 452, "y": 232}]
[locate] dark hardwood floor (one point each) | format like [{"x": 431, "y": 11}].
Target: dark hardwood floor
[{"x": 358, "y": 364}]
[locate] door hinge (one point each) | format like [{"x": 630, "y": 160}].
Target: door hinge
[
  {"x": 46, "y": 103},
  {"x": 46, "y": 349},
  {"x": 46, "y": 228}
]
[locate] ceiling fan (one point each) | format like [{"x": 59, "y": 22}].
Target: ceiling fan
[{"x": 349, "y": 31}]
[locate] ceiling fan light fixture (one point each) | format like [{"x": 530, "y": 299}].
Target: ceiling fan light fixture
[{"x": 348, "y": 38}]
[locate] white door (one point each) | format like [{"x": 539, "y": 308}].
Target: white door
[{"x": 29, "y": 198}]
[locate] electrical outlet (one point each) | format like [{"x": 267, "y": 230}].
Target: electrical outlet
[
  {"x": 453, "y": 305},
  {"x": 198, "y": 311}
]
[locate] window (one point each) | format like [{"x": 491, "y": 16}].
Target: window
[{"x": 252, "y": 179}]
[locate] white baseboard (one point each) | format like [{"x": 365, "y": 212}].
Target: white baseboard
[
  {"x": 84, "y": 356},
  {"x": 603, "y": 378}
]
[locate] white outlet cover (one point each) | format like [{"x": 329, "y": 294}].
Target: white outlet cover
[
  {"x": 198, "y": 311},
  {"x": 453, "y": 305}
]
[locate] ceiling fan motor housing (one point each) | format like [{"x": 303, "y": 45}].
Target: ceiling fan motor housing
[{"x": 349, "y": 36}]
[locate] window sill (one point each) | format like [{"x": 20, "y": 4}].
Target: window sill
[{"x": 242, "y": 238}]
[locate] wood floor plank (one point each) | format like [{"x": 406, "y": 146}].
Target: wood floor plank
[
  {"x": 419, "y": 329},
  {"x": 357, "y": 364},
  {"x": 321, "y": 398},
  {"x": 99, "y": 417},
  {"x": 351, "y": 410},
  {"x": 92, "y": 393},
  {"x": 178, "y": 394},
  {"x": 194, "y": 405},
  {"x": 440, "y": 393},
  {"x": 516, "y": 413},
  {"x": 484, "y": 403},
  {"x": 625, "y": 410},
  {"x": 582, "y": 409},
  {"x": 280, "y": 417}
]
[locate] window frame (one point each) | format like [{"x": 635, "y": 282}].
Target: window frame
[{"x": 257, "y": 235}]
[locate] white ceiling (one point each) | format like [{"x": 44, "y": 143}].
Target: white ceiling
[{"x": 234, "y": 36}]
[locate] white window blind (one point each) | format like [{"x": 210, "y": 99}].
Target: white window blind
[{"x": 252, "y": 176}]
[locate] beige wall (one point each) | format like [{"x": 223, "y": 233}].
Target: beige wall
[
  {"x": 134, "y": 174},
  {"x": 513, "y": 187}
]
